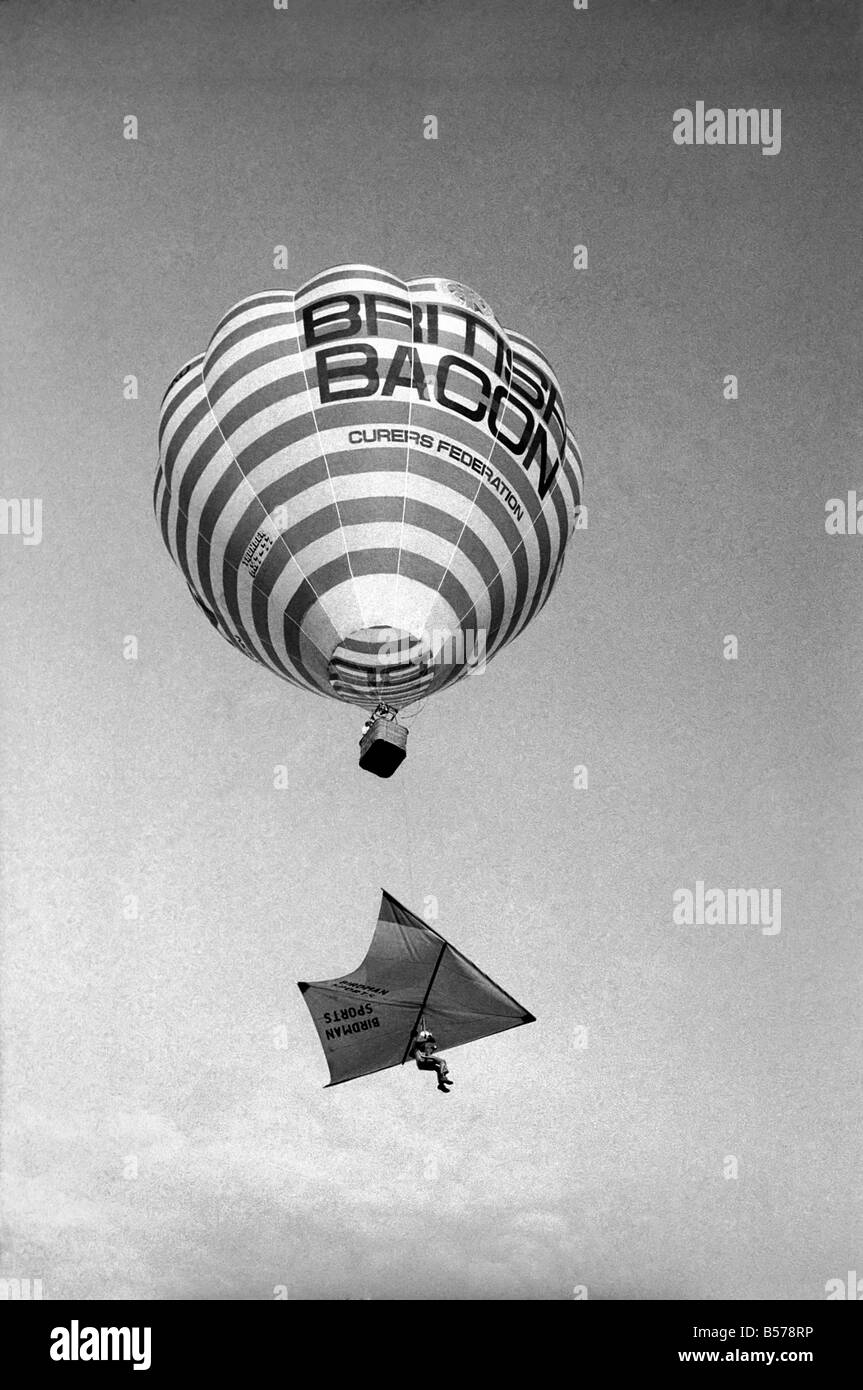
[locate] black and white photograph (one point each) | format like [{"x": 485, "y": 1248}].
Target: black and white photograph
[{"x": 432, "y": 652}]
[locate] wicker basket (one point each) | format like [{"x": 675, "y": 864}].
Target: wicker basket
[{"x": 383, "y": 747}]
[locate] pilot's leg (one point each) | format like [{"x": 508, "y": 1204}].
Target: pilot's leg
[{"x": 442, "y": 1073}]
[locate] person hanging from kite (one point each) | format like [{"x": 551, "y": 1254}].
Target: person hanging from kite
[
  {"x": 423, "y": 1053},
  {"x": 376, "y": 1016}
]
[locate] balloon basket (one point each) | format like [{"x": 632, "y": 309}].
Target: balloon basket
[{"x": 383, "y": 748}]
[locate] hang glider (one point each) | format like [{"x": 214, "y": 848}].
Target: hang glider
[{"x": 367, "y": 1020}]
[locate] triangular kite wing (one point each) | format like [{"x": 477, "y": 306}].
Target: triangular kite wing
[{"x": 366, "y": 1020}]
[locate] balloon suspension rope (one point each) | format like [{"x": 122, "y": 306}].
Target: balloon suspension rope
[{"x": 408, "y": 836}]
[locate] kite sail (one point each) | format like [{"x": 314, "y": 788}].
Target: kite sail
[{"x": 367, "y": 1020}]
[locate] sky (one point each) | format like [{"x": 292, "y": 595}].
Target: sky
[{"x": 683, "y": 1119}]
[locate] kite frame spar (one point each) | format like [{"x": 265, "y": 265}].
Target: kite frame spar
[
  {"x": 432, "y": 978},
  {"x": 520, "y": 1017}
]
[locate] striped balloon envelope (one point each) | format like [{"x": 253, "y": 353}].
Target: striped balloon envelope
[{"x": 368, "y": 483}]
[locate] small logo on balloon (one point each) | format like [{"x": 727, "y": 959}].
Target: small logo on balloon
[{"x": 462, "y": 295}]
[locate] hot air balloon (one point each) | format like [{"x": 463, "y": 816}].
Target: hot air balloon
[
  {"x": 369, "y": 486},
  {"x": 411, "y": 976}
]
